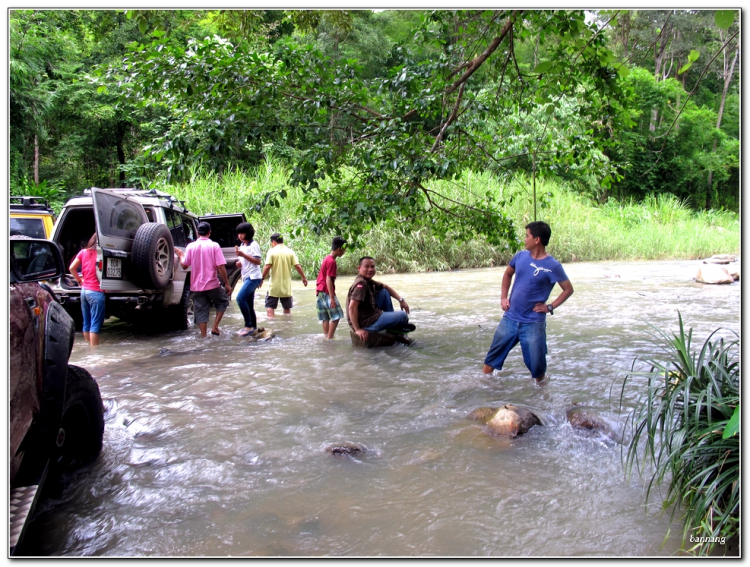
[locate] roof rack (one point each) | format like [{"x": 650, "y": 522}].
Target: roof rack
[{"x": 30, "y": 203}]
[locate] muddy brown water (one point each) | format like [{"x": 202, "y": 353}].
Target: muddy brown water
[{"x": 217, "y": 447}]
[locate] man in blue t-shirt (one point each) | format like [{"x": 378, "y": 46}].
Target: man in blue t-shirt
[{"x": 526, "y": 310}]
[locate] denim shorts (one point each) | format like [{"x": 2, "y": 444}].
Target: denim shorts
[
  {"x": 533, "y": 339},
  {"x": 92, "y": 308}
]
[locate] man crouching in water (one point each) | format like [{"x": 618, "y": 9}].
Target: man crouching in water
[
  {"x": 525, "y": 318},
  {"x": 369, "y": 306}
]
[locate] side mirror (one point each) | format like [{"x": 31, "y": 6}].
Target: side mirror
[{"x": 33, "y": 260}]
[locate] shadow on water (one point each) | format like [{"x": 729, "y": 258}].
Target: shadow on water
[{"x": 221, "y": 447}]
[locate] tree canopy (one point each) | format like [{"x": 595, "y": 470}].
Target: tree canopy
[{"x": 372, "y": 108}]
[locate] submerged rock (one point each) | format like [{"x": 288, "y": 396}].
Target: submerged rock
[
  {"x": 380, "y": 339},
  {"x": 507, "y": 421},
  {"x": 483, "y": 414},
  {"x": 711, "y": 274},
  {"x": 585, "y": 418},
  {"x": 346, "y": 449},
  {"x": 260, "y": 335}
]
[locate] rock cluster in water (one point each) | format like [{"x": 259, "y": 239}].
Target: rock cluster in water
[{"x": 507, "y": 421}]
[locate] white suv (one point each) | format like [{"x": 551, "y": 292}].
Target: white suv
[{"x": 137, "y": 233}]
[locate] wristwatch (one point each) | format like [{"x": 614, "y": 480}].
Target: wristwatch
[
  {"x": 401, "y": 299},
  {"x": 549, "y": 308}
]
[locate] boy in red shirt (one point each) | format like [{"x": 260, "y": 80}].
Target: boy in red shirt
[{"x": 329, "y": 308}]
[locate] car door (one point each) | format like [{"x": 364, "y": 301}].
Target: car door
[
  {"x": 224, "y": 232},
  {"x": 118, "y": 216}
]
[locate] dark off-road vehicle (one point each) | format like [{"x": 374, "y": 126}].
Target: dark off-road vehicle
[
  {"x": 56, "y": 412},
  {"x": 137, "y": 233}
]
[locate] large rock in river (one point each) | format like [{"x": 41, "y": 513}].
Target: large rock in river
[
  {"x": 712, "y": 274},
  {"x": 507, "y": 421}
]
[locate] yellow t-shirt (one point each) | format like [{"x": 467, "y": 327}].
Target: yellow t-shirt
[{"x": 282, "y": 261}]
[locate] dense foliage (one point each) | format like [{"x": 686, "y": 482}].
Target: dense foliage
[
  {"x": 380, "y": 104},
  {"x": 686, "y": 427}
]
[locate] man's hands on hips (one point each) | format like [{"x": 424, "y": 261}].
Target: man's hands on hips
[{"x": 540, "y": 308}]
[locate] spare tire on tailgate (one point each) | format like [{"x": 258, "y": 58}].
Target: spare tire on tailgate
[{"x": 153, "y": 256}]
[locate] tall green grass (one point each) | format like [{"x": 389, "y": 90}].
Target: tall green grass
[{"x": 660, "y": 227}]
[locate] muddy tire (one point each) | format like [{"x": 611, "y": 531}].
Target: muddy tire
[
  {"x": 153, "y": 256},
  {"x": 82, "y": 426}
]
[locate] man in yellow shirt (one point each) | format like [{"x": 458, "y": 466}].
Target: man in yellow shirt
[{"x": 280, "y": 260}]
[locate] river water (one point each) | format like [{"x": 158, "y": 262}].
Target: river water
[{"x": 217, "y": 447}]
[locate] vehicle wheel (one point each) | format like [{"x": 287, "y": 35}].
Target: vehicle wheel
[
  {"x": 82, "y": 428},
  {"x": 179, "y": 316},
  {"x": 153, "y": 256}
]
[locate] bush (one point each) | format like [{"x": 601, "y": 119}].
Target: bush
[{"x": 678, "y": 428}]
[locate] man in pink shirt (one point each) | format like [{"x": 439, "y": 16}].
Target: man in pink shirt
[{"x": 206, "y": 259}]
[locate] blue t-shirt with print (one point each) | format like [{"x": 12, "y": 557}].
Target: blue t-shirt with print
[{"x": 534, "y": 280}]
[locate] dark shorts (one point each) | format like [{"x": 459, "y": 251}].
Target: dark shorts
[
  {"x": 202, "y": 301},
  {"x": 273, "y": 302}
]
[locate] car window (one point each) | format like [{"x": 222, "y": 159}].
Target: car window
[
  {"x": 33, "y": 258},
  {"x": 150, "y": 214},
  {"x": 188, "y": 225},
  {"x": 33, "y": 228},
  {"x": 118, "y": 217},
  {"x": 174, "y": 222}
]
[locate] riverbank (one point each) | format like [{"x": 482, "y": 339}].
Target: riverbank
[{"x": 656, "y": 229}]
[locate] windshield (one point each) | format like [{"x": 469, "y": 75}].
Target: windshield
[{"x": 33, "y": 228}]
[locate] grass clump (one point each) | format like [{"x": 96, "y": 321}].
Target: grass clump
[
  {"x": 660, "y": 227},
  {"x": 681, "y": 432}
]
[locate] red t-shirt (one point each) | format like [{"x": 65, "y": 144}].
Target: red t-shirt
[
  {"x": 87, "y": 257},
  {"x": 328, "y": 268}
]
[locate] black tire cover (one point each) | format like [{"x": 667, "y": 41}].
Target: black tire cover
[{"x": 153, "y": 256}]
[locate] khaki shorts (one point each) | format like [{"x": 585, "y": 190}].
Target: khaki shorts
[{"x": 202, "y": 301}]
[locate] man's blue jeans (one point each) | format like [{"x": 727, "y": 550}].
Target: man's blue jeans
[
  {"x": 533, "y": 339},
  {"x": 246, "y": 301},
  {"x": 388, "y": 318}
]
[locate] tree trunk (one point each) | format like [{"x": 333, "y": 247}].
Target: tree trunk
[
  {"x": 659, "y": 53},
  {"x": 727, "y": 80},
  {"x": 654, "y": 116},
  {"x": 120, "y": 149},
  {"x": 36, "y": 159}
]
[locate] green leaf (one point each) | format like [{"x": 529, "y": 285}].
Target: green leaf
[
  {"x": 543, "y": 67},
  {"x": 142, "y": 25},
  {"x": 724, "y": 18},
  {"x": 733, "y": 425},
  {"x": 684, "y": 68},
  {"x": 693, "y": 56}
]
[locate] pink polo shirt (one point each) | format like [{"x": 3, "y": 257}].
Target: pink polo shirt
[{"x": 204, "y": 256}]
